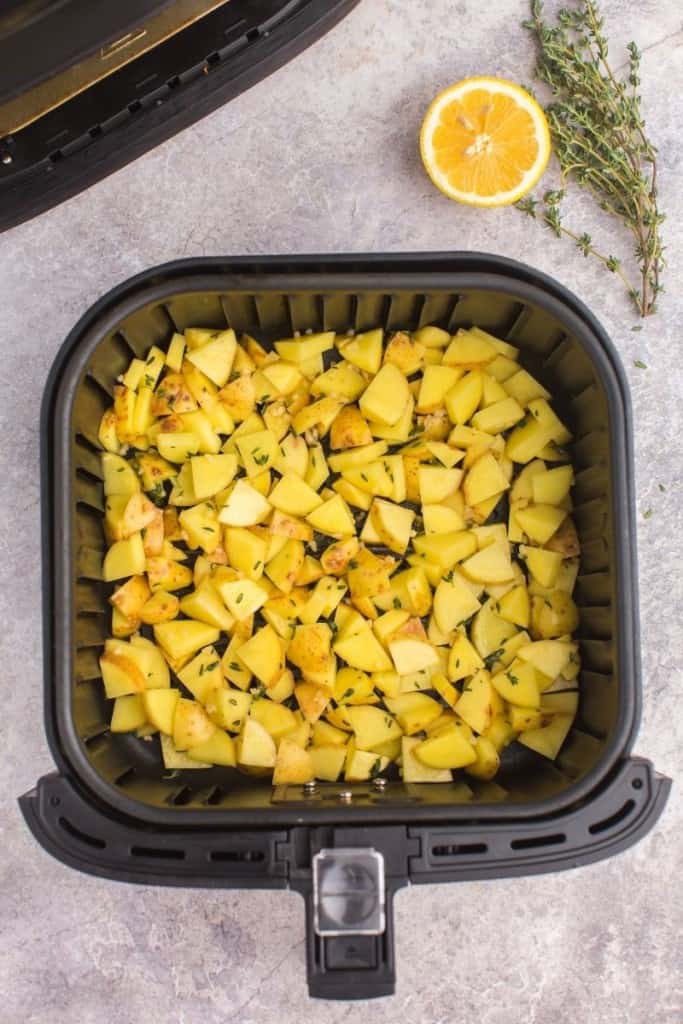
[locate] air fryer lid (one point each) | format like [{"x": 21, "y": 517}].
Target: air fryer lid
[{"x": 39, "y": 38}]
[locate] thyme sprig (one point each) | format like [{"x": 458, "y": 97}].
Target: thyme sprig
[{"x": 599, "y": 138}]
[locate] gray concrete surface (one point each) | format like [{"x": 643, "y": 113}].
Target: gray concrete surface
[{"x": 323, "y": 157}]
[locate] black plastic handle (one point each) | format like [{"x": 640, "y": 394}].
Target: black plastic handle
[{"x": 351, "y": 966}]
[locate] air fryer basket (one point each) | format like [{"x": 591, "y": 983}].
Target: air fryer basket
[{"x": 113, "y": 809}]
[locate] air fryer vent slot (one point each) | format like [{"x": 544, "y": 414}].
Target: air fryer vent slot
[
  {"x": 82, "y": 837},
  {"x": 459, "y": 849},
  {"x": 236, "y": 856},
  {"x": 614, "y": 819},
  {"x": 158, "y": 853},
  {"x": 532, "y": 842}
]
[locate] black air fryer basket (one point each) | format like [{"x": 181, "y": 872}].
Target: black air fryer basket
[{"x": 112, "y": 810}]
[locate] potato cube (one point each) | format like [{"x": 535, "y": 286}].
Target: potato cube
[
  {"x": 448, "y": 748},
  {"x": 413, "y": 711},
  {"x": 327, "y": 761},
  {"x": 386, "y": 396},
  {"x": 364, "y": 350},
  {"x": 255, "y": 746},
  {"x": 191, "y": 724},
  {"x": 475, "y": 705},
  {"x": 518, "y": 684},
  {"x": 124, "y": 558},
  {"x": 182, "y": 638},
  {"x": 245, "y": 506},
  {"x": 333, "y": 518},
  {"x": 128, "y": 714},
  {"x": 540, "y": 522},
  {"x": 485, "y": 479},
  {"x": 263, "y": 656},
  {"x": 548, "y": 739}
]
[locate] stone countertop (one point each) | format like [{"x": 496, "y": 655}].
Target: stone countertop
[{"x": 322, "y": 157}]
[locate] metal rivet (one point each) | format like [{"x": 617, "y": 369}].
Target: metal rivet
[
  {"x": 310, "y": 788},
  {"x": 7, "y": 158},
  {"x": 380, "y": 783},
  {"x": 346, "y": 796}
]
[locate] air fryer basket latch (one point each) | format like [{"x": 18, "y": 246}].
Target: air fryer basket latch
[
  {"x": 348, "y": 893},
  {"x": 348, "y": 877}
]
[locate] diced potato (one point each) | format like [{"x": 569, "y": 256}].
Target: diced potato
[
  {"x": 364, "y": 350},
  {"x": 327, "y": 761},
  {"x": 292, "y": 764},
  {"x": 386, "y": 396},
  {"x": 128, "y": 714},
  {"x": 131, "y": 596},
  {"x": 244, "y": 507},
  {"x": 519, "y": 684},
  {"x": 166, "y": 574},
  {"x": 202, "y": 673},
  {"x": 181, "y": 638},
  {"x": 393, "y": 524},
  {"x": 540, "y": 522},
  {"x": 243, "y": 597},
  {"x": 312, "y": 700},
  {"x": 436, "y": 382},
  {"x": 527, "y": 440},
  {"x": 160, "y": 607},
  {"x": 476, "y": 704},
  {"x": 205, "y": 605},
  {"x": 215, "y": 357},
  {"x": 119, "y": 475},
  {"x": 448, "y": 748},
  {"x": 454, "y": 603},
  {"x": 332, "y": 518},
  {"x": 463, "y": 659},
  {"x": 413, "y": 770},
  {"x": 488, "y": 759},
  {"x": 298, "y": 350},
  {"x": 227, "y": 708},
  {"x": 363, "y": 651},
  {"x": 159, "y": 707},
  {"x": 484, "y": 480},
  {"x": 548, "y": 739},
  {"x": 551, "y": 486},
  {"x": 372, "y": 726},
  {"x": 212, "y": 473},
  {"x": 262, "y": 655},
  {"x": 549, "y": 657},
  {"x": 490, "y": 565},
  {"x": 543, "y": 565},
  {"x": 524, "y": 388},
  {"x": 437, "y": 483},
  {"x": 218, "y": 749},
  {"x": 514, "y": 606},
  {"x": 342, "y": 380},
  {"x": 191, "y": 724},
  {"x": 124, "y": 558},
  {"x": 553, "y": 615},
  {"x": 413, "y": 711},
  {"x": 499, "y": 416},
  {"x": 255, "y": 746},
  {"x": 489, "y": 631},
  {"x": 349, "y": 429},
  {"x": 463, "y": 399}
]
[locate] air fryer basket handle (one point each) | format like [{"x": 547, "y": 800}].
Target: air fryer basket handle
[{"x": 351, "y": 966}]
